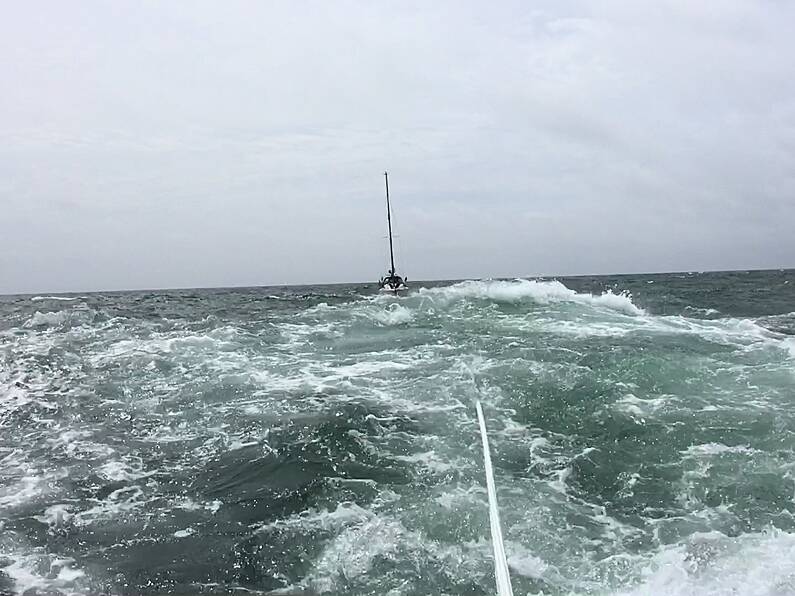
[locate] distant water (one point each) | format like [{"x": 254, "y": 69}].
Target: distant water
[{"x": 323, "y": 440}]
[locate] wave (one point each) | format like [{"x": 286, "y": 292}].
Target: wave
[
  {"x": 710, "y": 449},
  {"x": 704, "y": 313},
  {"x": 61, "y": 318},
  {"x": 395, "y": 314},
  {"x": 745, "y": 334},
  {"x": 541, "y": 292},
  {"x": 60, "y": 298},
  {"x": 46, "y": 319},
  {"x": 783, "y": 323}
]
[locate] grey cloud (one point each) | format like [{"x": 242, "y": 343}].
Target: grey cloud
[{"x": 194, "y": 144}]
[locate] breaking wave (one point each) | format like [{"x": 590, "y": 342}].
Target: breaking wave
[
  {"x": 54, "y": 298},
  {"x": 541, "y": 292}
]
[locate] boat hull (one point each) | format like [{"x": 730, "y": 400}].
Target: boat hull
[{"x": 388, "y": 289}]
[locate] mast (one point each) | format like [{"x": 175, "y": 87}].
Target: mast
[{"x": 389, "y": 221}]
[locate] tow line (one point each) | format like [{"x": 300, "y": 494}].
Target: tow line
[{"x": 500, "y": 562}]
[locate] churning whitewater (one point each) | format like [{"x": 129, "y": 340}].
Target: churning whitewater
[{"x": 324, "y": 440}]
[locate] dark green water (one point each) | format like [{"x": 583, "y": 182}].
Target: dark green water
[{"x": 323, "y": 440}]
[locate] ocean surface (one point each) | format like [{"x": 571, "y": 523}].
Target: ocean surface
[{"x": 324, "y": 440}]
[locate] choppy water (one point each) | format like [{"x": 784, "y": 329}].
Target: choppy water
[{"x": 323, "y": 440}]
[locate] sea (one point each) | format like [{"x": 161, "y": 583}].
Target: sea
[{"x": 323, "y": 440}]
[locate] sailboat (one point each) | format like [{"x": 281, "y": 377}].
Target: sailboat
[{"x": 391, "y": 282}]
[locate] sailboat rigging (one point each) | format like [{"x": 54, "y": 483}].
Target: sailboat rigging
[{"x": 392, "y": 282}]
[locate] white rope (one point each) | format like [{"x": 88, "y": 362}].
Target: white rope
[{"x": 500, "y": 562}]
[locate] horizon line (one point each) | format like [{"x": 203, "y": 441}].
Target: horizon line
[{"x": 350, "y": 283}]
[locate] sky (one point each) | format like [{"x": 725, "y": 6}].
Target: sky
[{"x": 208, "y": 144}]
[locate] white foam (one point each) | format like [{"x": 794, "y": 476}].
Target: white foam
[
  {"x": 74, "y": 444},
  {"x": 428, "y": 460},
  {"x": 60, "y": 298},
  {"x": 395, "y": 314},
  {"x": 367, "y": 368},
  {"x": 561, "y": 476},
  {"x": 580, "y": 328},
  {"x": 708, "y": 449},
  {"x": 188, "y": 504},
  {"x": 213, "y": 506},
  {"x": 758, "y": 564},
  {"x": 704, "y": 311},
  {"x": 236, "y": 444},
  {"x": 294, "y": 331},
  {"x": 121, "y": 501},
  {"x": 524, "y": 562},
  {"x": 360, "y": 536},
  {"x": 744, "y": 334},
  {"x": 123, "y": 470},
  {"x": 221, "y": 343},
  {"x": 640, "y": 408},
  {"x": 47, "y": 319},
  {"x": 68, "y": 575},
  {"x": 789, "y": 345},
  {"x": 34, "y": 571},
  {"x": 320, "y": 376},
  {"x": 352, "y": 552},
  {"x": 56, "y": 516},
  {"x": 728, "y": 331},
  {"x": 14, "y": 398},
  {"x": 23, "y": 490},
  {"x": 345, "y": 514},
  {"x": 461, "y": 497},
  {"x": 542, "y": 292}
]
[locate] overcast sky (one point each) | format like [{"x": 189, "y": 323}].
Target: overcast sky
[{"x": 184, "y": 144}]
